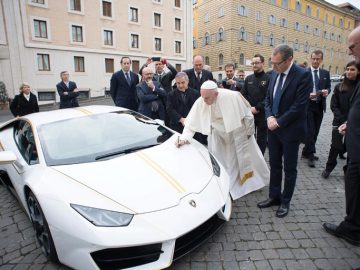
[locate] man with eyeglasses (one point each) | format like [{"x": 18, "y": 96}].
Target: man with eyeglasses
[
  {"x": 231, "y": 82},
  {"x": 317, "y": 105},
  {"x": 349, "y": 228},
  {"x": 286, "y": 105},
  {"x": 254, "y": 90},
  {"x": 151, "y": 94}
]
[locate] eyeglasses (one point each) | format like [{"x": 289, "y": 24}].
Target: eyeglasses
[
  {"x": 148, "y": 73},
  {"x": 255, "y": 63},
  {"x": 277, "y": 64}
]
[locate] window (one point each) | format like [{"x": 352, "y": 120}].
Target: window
[
  {"x": 25, "y": 141},
  {"x": 134, "y": 14},
  {"x": 316, "y": 32},
  {"x": 221, "y": 59},
  {"x": 326, "y": 35},
  {"x": 273, "y": 2},
  {"x": 108, "y": 37},
  {"x": 177, "y": 46},
  {"x": 106, "y": 9},
  {"x": 307, "y": 29},
  {"x": 206, "y": 17},
  {"x": 242, "y": 10},
  {"x": 308, "y": 10},
  {"x": 109, "y": 65},
  {"x": 341, "y": 23},
  {"x": 296, "y": 45},
  {"x": 271, "y": 40},
  {"x": 40, "y": 29},
  {"x": 272, "y": 19},
  {"x": 177, "y": 3},
  {"x": 221, "y": 11},
  {"x": 242, "y": 34},
  {"x": 306, "y": 47},
  {"x": 258, "y": 15},
  {"x": 283, "y": 22},
  {"x": 77, "y": 33},
  {"x": 207, "y": 38},
  {"x": 332, "y": 36},
  {"x": 258, "y": 38},
  {"x": 298, "y": 6},
  {"x": 134, "y": 41},
  {"x": 317, "y": 13},
  {"x": 158, "y": 46},
  {"x": 79, "y": 63},
  {"x": 75, "y": 5},
  {"x": 326, "y": 18},
  {"x": 41, "y": 2},
  {"x": 194, "y": 43},
  {"x": 242, "y": 59},
  {"x": 43, "y": 61},
  {"x": 283, "y": 40},
  {"x": 297, "y": 26},
  {"x": 157, "y": 19},
  {"x": 207, "y": 60},
  {"x": 284, "y": 3},
  {"x": 339, "y": 39},
  {"x": 221, "y": 35},
  {"x": 178, "y": 67},
  {"x": 177, "y": 24}
]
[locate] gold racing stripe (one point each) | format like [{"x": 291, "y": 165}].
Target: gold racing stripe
[
  {"x": 161, "y": 171},
  {"x": 83, "y": 110}
]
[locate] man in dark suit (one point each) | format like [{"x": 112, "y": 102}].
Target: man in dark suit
[
  {"x": 349, "y": 229},
  {"x": 67, "y": 91},
  {"x": 197, "y": 75},
  {"x": 231, "y": 82},
  {"x": 123, "y": 86},
  {"x": 150, "y": 94},
  {"x": 317, "y": 104},
  {"x": 285, "y": 109}
]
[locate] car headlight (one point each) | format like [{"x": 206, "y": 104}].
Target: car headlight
[
  {"x": 103, "y": 218},
  {"x": 215, "y": 165}
]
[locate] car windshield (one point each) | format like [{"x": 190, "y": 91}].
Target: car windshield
[{"x": 98, "y": 137}]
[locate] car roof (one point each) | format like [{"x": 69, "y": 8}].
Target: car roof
[{"x": 41, "y": 118}]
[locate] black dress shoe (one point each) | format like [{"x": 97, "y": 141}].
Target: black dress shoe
[
  {"x": 283, "y": 210},
  {"x": 267, "y": 203},
  {"x": 333, "y": 229},
  {"x": 341, "y": 156},
  {"x": 325, "y": 174},
  {"x": 316, "y": 157},
  {"x": 311, "y": 162}
]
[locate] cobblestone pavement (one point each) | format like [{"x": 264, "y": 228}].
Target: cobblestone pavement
[{"x": 253, "y": 239}]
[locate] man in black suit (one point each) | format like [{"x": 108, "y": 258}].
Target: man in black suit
[
  {"x": 197, "y": 75},
  {"x": 285, "y": 109},
  {"x": 67, "y": 91},
  {"x": 317, "y": 104},
  {"x": 349, "y": 229},
  {"x": 231, "y": 82},
  {"x": 123, "y": 86},
  {"x": 254, "y": 90},
  {"x": 150, "y": 94}
]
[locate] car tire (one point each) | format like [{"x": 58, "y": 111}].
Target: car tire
[{"x": 40, "y": 225}]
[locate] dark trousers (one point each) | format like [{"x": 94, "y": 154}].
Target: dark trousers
[
  {"x": 261, "y": 133},
  {"x": 280, "y": 150},
  {"x": 337, "y": 147},
  {"x": 351, "y": 223},
  {"x": 314, "y": 119}
]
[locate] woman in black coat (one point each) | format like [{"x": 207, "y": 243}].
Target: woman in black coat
[
  {"x": 25, "y": 102},
  {"x": 340, "y": 106}
]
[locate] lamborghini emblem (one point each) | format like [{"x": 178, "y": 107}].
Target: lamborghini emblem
[{"x": 192, "y": 203}]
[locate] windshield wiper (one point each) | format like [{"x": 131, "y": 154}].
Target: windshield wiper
[{"x": 126, "y": 151}]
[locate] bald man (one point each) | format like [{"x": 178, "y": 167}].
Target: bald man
[
  {"x": 226, "y": 118},
  {"x": 349, "y": 228},
  {"x": 198, "y": 75}
]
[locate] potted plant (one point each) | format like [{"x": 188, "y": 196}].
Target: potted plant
[{"x": 4, "y": 98}]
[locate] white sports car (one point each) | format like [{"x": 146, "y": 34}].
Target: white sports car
[{"x": 106, "y": 188}]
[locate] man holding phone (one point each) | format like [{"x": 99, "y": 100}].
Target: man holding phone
[
  {"x": 165, "y": 78},
  {"x": 231, "y": 82}
]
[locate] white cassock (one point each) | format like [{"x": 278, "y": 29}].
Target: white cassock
[{"x": 229, "y": 125}]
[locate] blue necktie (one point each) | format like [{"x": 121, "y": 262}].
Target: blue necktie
[
  {"x": 276, "y": 99},
  {"x": 128, "y": 78},
  {"x": 316, "y": 80}
]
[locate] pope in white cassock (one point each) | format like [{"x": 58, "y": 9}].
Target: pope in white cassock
[{"x": 226, "y": 118}]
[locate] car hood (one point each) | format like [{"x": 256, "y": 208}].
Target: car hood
[{"x": 148, "y": 180}]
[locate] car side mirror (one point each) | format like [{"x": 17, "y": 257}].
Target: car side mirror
[{"x": 7, "y": 157}]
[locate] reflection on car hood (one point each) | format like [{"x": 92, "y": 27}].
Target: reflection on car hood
[{"x": 147, "y": 180}]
